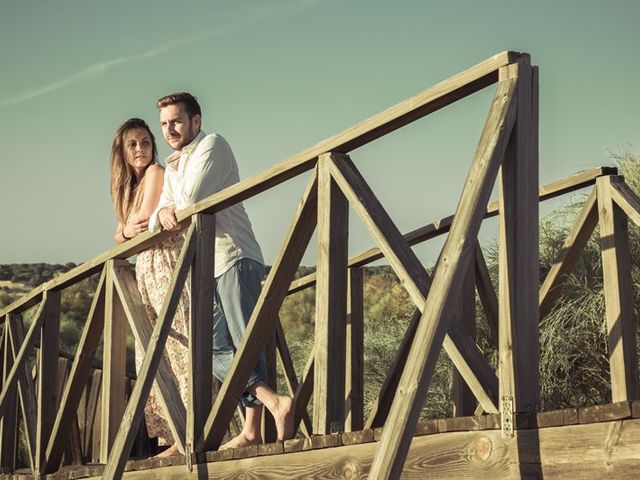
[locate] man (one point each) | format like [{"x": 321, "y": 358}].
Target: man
[{"x": 201, "y": 166}]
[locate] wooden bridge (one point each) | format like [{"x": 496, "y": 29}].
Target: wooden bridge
[{"x": 498, "y": 430}]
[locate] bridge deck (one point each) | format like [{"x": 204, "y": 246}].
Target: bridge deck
[{"x": 591, "y": 442}]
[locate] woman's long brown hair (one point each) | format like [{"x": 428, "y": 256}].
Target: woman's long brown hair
[{"x": 123, "y": 179}]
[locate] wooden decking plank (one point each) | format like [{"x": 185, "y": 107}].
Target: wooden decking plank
[
  {"x": 605, "y": 413},
  {"x": 573, "y": 451}
]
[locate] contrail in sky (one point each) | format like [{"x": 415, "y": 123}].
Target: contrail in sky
[{"x": 98, "y": 69}]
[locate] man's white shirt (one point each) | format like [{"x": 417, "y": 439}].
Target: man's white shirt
[{"x": 206, "y": 166}]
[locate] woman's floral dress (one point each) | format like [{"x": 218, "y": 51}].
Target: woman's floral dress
[{"x": 154, "y": 268}]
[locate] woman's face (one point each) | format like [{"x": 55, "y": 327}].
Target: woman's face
[{"x": 138, "y": 150}]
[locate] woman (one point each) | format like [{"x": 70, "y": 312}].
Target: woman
[{"x": 136, "y": 184}]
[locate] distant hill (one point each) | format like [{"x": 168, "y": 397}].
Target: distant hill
[
  {"x": 16, "y": 279},
  {"x": 32, "y": 274}
]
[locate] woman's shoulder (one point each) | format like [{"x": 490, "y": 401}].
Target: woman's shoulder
[
  {"x": 155, "y": 169},
  {"x": 154, "y": 172}
]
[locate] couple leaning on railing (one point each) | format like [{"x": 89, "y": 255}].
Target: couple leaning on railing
[{"x": 146, "y": 197}]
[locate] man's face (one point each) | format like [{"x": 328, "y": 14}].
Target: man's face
[{"x": 178, "y": 129}]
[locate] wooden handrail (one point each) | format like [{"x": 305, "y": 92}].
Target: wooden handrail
[
  {"x": 428, "y": 101},
  {"x": 141, "y": 242},
  {"x": 439, "y": 227}
]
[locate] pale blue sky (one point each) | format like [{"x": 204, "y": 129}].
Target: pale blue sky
[{"x": 275, "y": 77}]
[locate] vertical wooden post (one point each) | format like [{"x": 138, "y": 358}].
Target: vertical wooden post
[
  {"x": 201, "y": 330},
  {"x": 331, "y": 302},
  {"x": 269, "y": 432},
  {"x": 464, "y": 402},
  {"x": 452, "y": 266},
  {"x": 114, "y": 364},
  {"x": 618, "y": 295},
  {"x": 354, "y": 374},
  {"x": 518, "y": 250},
  {"x": 9, "y": 420},
  {"x": 47, "y": 371}
]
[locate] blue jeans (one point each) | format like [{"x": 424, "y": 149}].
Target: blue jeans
[{"x": 237, "y": 291}]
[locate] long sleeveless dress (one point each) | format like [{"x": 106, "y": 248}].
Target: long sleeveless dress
[{"x": 154, "y": 268}]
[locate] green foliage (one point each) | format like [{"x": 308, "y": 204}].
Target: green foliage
[{"x": 32, "y": 274}]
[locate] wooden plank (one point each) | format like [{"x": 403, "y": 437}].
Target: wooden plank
[
  {"x": 487, "y": 294},
  {"x": 458, "y": 344},
  {"x": 201, "y": 330},
  {"x": 61, "y": 377},
  {"x": 440, "y": 95},
  {"x": 625, "y": 198},
  {"x": 518, "y": 269},
  {"x": 303, "y": 392},
  {"x": 555, "y": 418},
  {"x": 592, "y": 451},
  {"x": 454, "y": 261},
  {"x": 93, "y": 413},
  {"x": 10, "y": 381},
  {"x": 134, "y": 412},
  {"x": 439, "y": 227},
  {"x": 605, "y": 413},
  {"x": 265, "y": 315},
  {"x": 331, "y": 302},
  {"x": 568, "y": 254},
  {"x": 9, "y": 425},
  {"x": 464, "y": 403},
  {"x": 618, "y": 295},
  {"x": 354, "y": 366},
  {"x": 26, "y": 391},
  {"x": 462, "y": 424},
  {"x": 290, "y": 376},
  {"x": 76, "y": 384},
  {"x": 269, "y": 432},
  {"x": 76, "y": 443},
  {"x": 114, "y": 357},
  {"x": 165, "y": 381},
  {"x": 96, "y": 436},
  {"x": 47, "y": 373},
  {"x": 81, "y": 416}
]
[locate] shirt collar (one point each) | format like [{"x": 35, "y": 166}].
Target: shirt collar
[{"x": 186, "y": 150}]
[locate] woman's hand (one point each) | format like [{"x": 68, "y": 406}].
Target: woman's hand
[{"x": 135, "y": 227}]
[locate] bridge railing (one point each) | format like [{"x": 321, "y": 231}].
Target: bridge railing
[{"x": 507, "y": 152}]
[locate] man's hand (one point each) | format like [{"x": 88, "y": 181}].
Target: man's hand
[
  {"x": 168, "y": 220},
  {"x": 135, "y": 227}
]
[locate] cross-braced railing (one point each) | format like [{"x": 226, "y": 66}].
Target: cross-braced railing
[{"x": 506, "y": 153}]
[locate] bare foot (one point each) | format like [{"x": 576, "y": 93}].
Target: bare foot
[
  {"x": 169, "y": 452},
  {"x": 242, "y": 440},
  {"x": 284, "y": 410}
]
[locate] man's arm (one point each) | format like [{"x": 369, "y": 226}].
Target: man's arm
[
  {"x": 166, "y": 202},
  {"x": 208, "y": 169}
]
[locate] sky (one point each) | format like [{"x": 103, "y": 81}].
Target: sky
[{"x": 277, "y": 76}]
